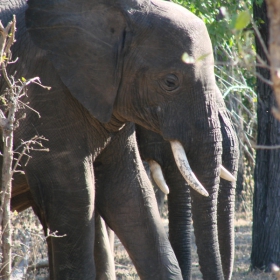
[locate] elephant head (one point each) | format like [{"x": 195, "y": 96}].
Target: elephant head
[
  {"x": 158, "y": 154},
  {"x": 135, "y": 68}
]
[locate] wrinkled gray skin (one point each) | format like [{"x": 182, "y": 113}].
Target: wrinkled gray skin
[
  {"x": 110, "y": 63},
  {"x": 103, "y": 239},
  {"x": 153, "y": 147},
  {"x": 102, "y": 250}
]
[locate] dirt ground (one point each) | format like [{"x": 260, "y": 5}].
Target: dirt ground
[
  {"x": 243, "y": 231},
  {"x": 30, "y": 248}
]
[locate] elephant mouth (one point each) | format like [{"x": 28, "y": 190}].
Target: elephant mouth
[{"x": 185, "y": 169}]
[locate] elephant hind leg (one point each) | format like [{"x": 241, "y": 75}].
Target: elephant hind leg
[
  {"x": 65, "y": 201},
  {"x": 103, "y": 254}
]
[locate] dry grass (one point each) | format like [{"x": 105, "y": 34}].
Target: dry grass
[{"x": 30, "y": 246}]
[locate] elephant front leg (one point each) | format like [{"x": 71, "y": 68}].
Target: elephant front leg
[
  {"x": 65, "y": 197},
  {"x": 132, "y": 213},
  {"x": 126, "y": 201}
]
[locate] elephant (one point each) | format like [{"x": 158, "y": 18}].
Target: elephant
[
  {"x": 154, "y": 150},
  {"x": 111, "y": 64}
]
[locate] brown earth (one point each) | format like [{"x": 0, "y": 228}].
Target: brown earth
[{"x": 243, "y": 236}]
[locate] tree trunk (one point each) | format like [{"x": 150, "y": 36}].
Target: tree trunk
[
  {"x": 7, "y": 38},
  {"x": 266, "y": 208},
  {"x": 5, "y": 226}
]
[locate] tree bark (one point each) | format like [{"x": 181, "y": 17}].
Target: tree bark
[
  {"x": 266, "y": 207},
  {"x": 5, "y": 203}
]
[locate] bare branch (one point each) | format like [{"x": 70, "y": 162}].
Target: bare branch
[
  {"x": 25, "y": 105},
  {"x": 263, "y": 147},
  {"x": 259, "y": 76},
  {"x": 18, "y": 159},
  {"x": 41, "y": 264},
  {"x": 259, "y": 36}
]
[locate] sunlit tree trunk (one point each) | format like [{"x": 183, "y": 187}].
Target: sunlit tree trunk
[
  {"x": 266, "y": 209},
  {"x": 273, "y": 13}
]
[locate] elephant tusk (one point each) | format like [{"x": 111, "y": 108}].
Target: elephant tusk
[
  {"x": 185, "y": 169},
  {"x": 158, "y": 176},
  {"x": 226, "y": 175}
]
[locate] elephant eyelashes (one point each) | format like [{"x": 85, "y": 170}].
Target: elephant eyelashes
[{"x": 170, "y": 82}]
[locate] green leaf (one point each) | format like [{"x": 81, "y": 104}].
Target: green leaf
[
  {"x": 3, "y": 58},
  {"x": 242, "y": 20},
  {"x": 23, "y": 79},
  {"x": 3, "y": 100},
  {"x": 259, "y": 2}
]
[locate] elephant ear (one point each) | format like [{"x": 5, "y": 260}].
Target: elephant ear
[{"x": 84, "y": 41}]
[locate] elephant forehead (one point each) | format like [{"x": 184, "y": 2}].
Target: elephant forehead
[
  {"x": 166, "y": 33},
  {"x": 173, "y": 25}
]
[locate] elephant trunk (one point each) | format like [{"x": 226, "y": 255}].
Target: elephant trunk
[
  {"x": 226, "y": 197},
  {"x": 202, "y": 141},
  {"x": 205, "y": 162},
  {"x": 204, "y": 156},
  {"x": 205, "y": 159}
]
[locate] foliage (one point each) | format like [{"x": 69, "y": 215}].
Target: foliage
[
  {"x": 228, "y": 24},
  {"x": 219, "y": 19}
]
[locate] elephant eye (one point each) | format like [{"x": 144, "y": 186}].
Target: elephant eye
[{"x": 170, "y": 82}]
